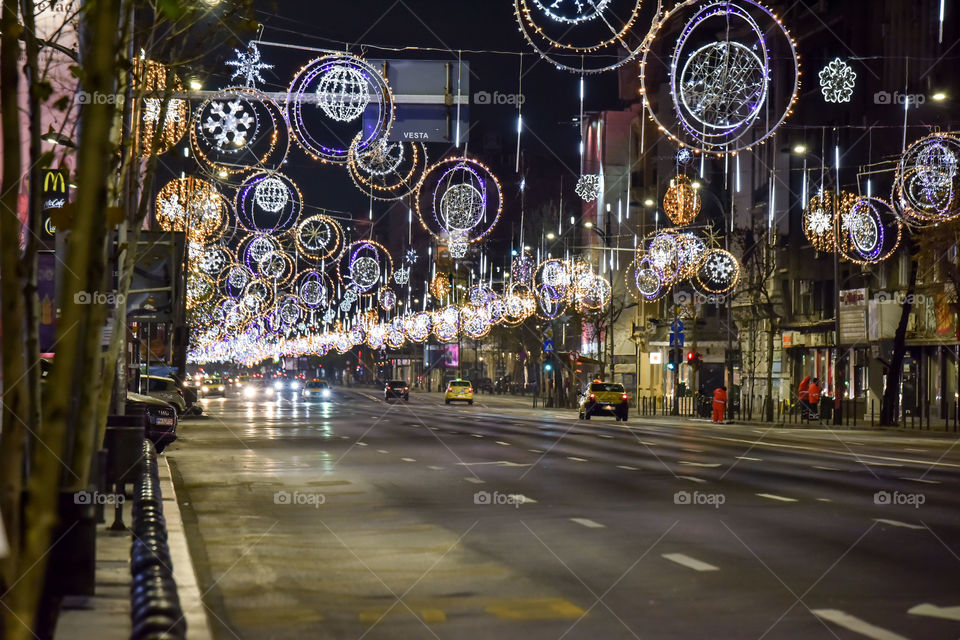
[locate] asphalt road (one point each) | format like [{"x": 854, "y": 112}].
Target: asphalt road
[{"x": 359, "y": 519}]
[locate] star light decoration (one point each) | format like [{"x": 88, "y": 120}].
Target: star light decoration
[
  {"x": 229, "y": 124},
  {"x": 411, "y": 257},
  {"x": 837, "y": 81},
  {"x": 588, "y": 187},
  {"x": 248, "y": 65}
]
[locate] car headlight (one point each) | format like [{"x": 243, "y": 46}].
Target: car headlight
[
  {"x": 249, "y": 392},
  {"x": 326, "y": 393},
  {"x": 277, "y": 386},
  {"x": 268, "y": 391},
  {"x": 294, "y": 386},
  {"x": 220, "y": 388}
]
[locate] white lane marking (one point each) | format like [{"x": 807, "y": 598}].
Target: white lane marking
[
  {"x": 502, "y": 443},
  {"x": 923, "y": 480},
  {"x": 361, "y": 444},
  {"x": 576, "y": 459},
  {"x": 708, "y": 465},
  {"x": 535, "y": 450},
  {"x": 382, "y": 451},
  {"x": 881, "y": 464},
  {"x": 522, "y": 499},
  {"x": 933, "y": 611},
  {"x": 344, "y": 437},
  {"x": 771, "y": 496},
  {"x": 750, "y": 459},
  {"x": 856, "y": 625},
  {"x": 647, "y": 444},
  {"x": 627, "y": 467},
  {"x": 915, "y": 450},
  {"x": 897, "y": 523},
  {"x": 826, "y": 468},
  {"x": 824, "y": 500},
  {"x": 498, "y": 463},
  {"x": 474, "y": 480},
  {"x": 432, "y": 468},
  {"x": 600, "y": 435},
  {"x": 409, "y": 459},
  {"x": 690, "y": 563},
  {"x": 691, "y": 449},
  {"x": 590, "y": 524},
  {"x": 476, "y": 435},
  {"x": 692, "y": 479}
]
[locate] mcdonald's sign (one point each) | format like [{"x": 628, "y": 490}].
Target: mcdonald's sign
[{"x": 55, "y": 194}]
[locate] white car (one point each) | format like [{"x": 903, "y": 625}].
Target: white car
[{"x": 165, "y": 389}]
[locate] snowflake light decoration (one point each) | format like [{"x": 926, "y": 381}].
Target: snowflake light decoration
[
  {"x": 329, "y": 315},
  {"x": 402, "y": 276},
  {"x": 719, "y": 271},
  {"x": 248, "y": 65},
  {"x": 343, "y": 93},
  {"x": 457, "y": 249},
  {"x": 411, "y": 257},
  {"x": 229, "y": 124},
  {"x": 572, "y": 11},
  {"x": 588, "y": 187},
  {"x": 684, "y": 156},
  {"x": 837, "y": 81}
]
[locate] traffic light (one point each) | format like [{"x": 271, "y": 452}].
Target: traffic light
[
  {"x": 694, "y": 359},
  {"x": 674, "y": 360},
  {"x": 548, "y": 367},
  {"x": 690, "y": 357}
]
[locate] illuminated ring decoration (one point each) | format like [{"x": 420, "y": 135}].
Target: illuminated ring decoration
[
  {"x": 150, "y": 81},
  {"x": 418, "y": 327},
  {"x": 551, "y": 303},
  {"x": 388, "y": 170},
  {"x": 718, "y": 272},
  {"x": 377, "y": 337},
  {"x": 820, "y": 218},
  {"x": 927, "y": 182},
  {"x": 556, "y": 274},
  {"x": 215, "y": 261},
  {"x": 570, "y": 38},
  {"x": 313, "y": 288},
  {"x": 870, "y": 231},
  {"x": 365, "y": 264},
  {"x": 681, "y": 203},
  {"x": 257, "y": 296},
  {"x": 719, "y": 88},
  {"x": 277, "y": 266},
  {"x": 237, "y": 130},
  {"x": 474, "y": 322},
  {"x": 387, "y": 299},
  {"x": 523, "y": 268},
  {"x": 194, "y": 206},
  {"x": 339, "y": 111},
  {"x": 318, "y": 237},
  {"x": 459, "y": 196},
  {"x": 446, "y": 323},
  {"x": 395, "y": 334},
  {"x": 269, "y": 202},
  {"x": 690, "y": 248},
  {"x": 236, "y": 280},
  {"x": 200, "y": 289},
  {"x": 664, "y": 253}
]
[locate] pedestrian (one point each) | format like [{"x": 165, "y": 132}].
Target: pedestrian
[
  {"x": 814, "y": 397},
  {"x": 719, "y": 404},
  {"x": 803, "y": 395}
]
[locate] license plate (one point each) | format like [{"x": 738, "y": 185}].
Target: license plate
[
  {"x": 608, "y": 406},
  {"x": 165, "y": 422}
]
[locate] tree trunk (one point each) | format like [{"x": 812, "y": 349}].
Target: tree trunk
[
  {"x": 68, "y": 418},
  {"x": 15, "y": 395},
  {"x": 890, "y": 406},
  {"x": 768, "y": 411}
]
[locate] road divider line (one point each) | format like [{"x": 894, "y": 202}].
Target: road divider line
[
  {"x": 898, "y": 523},
  {"x": 750, "y": 459},
  {"x": 855, "y": 624},
  {"x": 433, "y": 468},
  {"x": 627, "y": 467},
  {"x": 692, "y": 479},
  {"x": 409, "y": 459},
  {"x": 923, "y": 480},
  {"x": 825, "y": 468},
  {"x": 706, "y": 465},
  {"x": 933, "y": 611},
  {"x": 382, "y": 451},
  {"x": 771, "y": 496},
  {"x": 576, "y": 459},
  {"x": 502, "y": 443},
  {"x": 474, "y": 480},
  {"x": 690, "y": 563},
  {"x": 590, "y": 524}
]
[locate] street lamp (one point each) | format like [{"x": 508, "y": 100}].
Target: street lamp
[{"x": 54, "y": 137}]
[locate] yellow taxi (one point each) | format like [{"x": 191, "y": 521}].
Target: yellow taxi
[
  {"x": 459, "y": 391},
  {"x": 604, "y": 399}
]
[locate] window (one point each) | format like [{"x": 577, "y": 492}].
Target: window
[
  {"x": 600, "y": 387},
  {"x": 460, "y": 383}
]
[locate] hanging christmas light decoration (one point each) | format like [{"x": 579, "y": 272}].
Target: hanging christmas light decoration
[
  {"x": 193, "y": 206},
  {"x": 589, "y": 187},
  {"x": 719, "y": 88},
  {"x": 459, "y": 197},
  {"x": 870, "y": 231},
  {"x": 581, "y": 36},
  {"x": 156, "y": 83},
  {"x": 364, "y": 264},
  {"x": 682, "y": 202},
  {"x": 820, "y": 215},
  {"x": 837, "y": 81},
  {"x": 248, "y": 65},
  {"x": 340, "y": 87},
  {"x": 269, "y": 202},
  {"x": 387, "y": 299},
  {"x": 387, "y": 170},
  {"x": 440, "y": 286},
  {"x": 927, "y": 182},
  {"x": 522, "y": 268},
  {"x": 313, "y": 288},
  {"x": 318, "y": 237},
  {"x": 401, "y": 276},
  {"x": 718, "y": 273}
]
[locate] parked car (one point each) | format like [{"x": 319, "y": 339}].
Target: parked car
[
  {"x": 503, "y": 385},
  {"x": 160, "y": 418},
  {"x": 396, "y": 389},
  {"x": 165, "y": 389}
]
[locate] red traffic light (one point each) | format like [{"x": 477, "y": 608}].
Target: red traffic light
[{"x": 690, "y": 356}]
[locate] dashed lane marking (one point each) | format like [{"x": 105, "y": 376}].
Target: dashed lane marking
[
  {"x": 824, "y": 500},
  {"x": 627, "y": 467},
  {"x": 826, "y": 468},
  {"x": 474, "y": 480},
  {"x": 864, "y": 628},
  {"x": 502, "y": 443},
  {"x": 361, "y": 444},
  {"x": 750, "y": 459},
  {"x": 691, "y": 449},
  {"x": 692, "y": 479},
  {"x": 382, "y": 451},
  {"x": 476, "y": 435},
  {"x": 933, "y": 611},
  {"x": 535, "y": 609},
  {"x": 690, "y": 563},
  {"x": 771, "y": 496},
  {"x": 576, "y": 459},
  {"x": 708, "y": 465},
  {"x": 590, "y": 524},
  {"x": 409, "y": 459},
  {"x": 898, "y": 523},
  {"x": 433, "y": 468},
  {"x": 535, "y": 450},
  {"x": 923, "y": 480}
]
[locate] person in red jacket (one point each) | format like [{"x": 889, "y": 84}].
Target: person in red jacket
[
  {"x": 814, "y": 396},
  {"x": 803, "y": 395},
  {"x": 719, "y": 404}
]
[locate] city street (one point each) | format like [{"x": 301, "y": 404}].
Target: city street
[{"x": 360, "y": 519}]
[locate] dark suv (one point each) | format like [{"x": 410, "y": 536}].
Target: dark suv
[
  {"x": 396, "y": 389},
  {"x": 160, "y": 418}
]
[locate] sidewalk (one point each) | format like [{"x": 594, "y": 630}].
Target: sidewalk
[{"x": 106, "y": 616}]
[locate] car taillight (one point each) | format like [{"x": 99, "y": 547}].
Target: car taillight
[
  {"x": 449, "y": 389},
  {"x": 624, "y": 396},
  {"x": 406, "y": 388},
  {"x": 470, "y": 390},
  {"x": 180, "y": 392},
  {"x": 593, "y": 396}
]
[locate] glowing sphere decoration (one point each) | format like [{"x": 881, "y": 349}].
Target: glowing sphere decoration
[
  {"x": 718, "y": 272},
  {"x": 268, "y": 202},
  {"x": 869, "y": 231},
  {"x": 927, "y": 182},
  {"x": 328, "y": 96},
  {"x": 440, "y": 286},
  {"x": 719, "y": 71},
  {"x": 461, "y": 198},
  {"x": 152, "y": 79},
  {"x": 522, "y": 268},
  {"x": 820, "y": 218},
  {"x": 387, "y": 299},
  {"x": 193, "y": 206},
  {"x": 682, "y": 202},
  {"x": 364, "y": 265}
]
